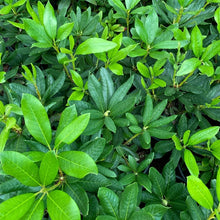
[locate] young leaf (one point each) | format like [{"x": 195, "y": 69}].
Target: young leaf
[
  {"x": 196, "y": 41},
  {"x": 20, "y": 167},
  {"x": 50, "y": 21},
  {"x": 116, "y": 68},
  {"x": 77, "y": 164},
  {"x": 95, "y": 45},
  {"x": 3, "y": 138},
  {"x": 31, "y": 12},
  {"x": 72, "y": 131},
  {"x": 141, "y": 31},
  {"x": 143, "y": 70},
  {"x": 36, "y": 119},
  {"x": 186, "y": 137},
  {"x": 188, "y": 66},
  {"x": 177, "y": 143},
  {"x": 48, "y": 168},
  {"x": 203, "y": 135},
  {"x": 148, "y": 110},
  {"x": 109, "y": 201},
  {"x": 37, "y": 32},
  {"x": 128, "y": 201},
  {"x": 64, "y": 31},
  {"x": 199, "y": 192},
  {"x": 61, "y": 206},
  {"x": 16, "y": 207},
  {"x": 190, "y": 162},
  {"x": 130, "y": 4},
  {"x": 211, "y": 50}
]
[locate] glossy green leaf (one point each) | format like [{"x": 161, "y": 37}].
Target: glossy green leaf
[
  {"x": 188, "y": 66},
  {"x": 199, "y": 192},
  {"x": 3, "y": 138},
  {"x": 16, "y": 207},
  {"x": 61, "y": 206},
  {"x": 6, "y": 9},
  {"x": 77, "y": 164},
  {"x": 151, "y": 26},
  {"x": 73, "y": 130},
  {"x": 215, "y": 149},
  {"x": 158, "y": 182},
  {"x": 121, "y": 92},
  {"x": 186, "y": 137},
  {"x": 196, "y": 41},
  {"x": 172, "y": 44},
  {"x": 190, "y": 162},
  {"x": 144, "y": 181},
  {"x": 148, "y": 110},
  {"x": 109, "y": 123},
  {"x": 162, "y": 121},
  {"x": 177, "y": 143},
  {"x": 217, "y": 18},
  {"x": 36, "y": 119},
  {"x": 48, "y": 168},
  {"x": 128, "y": 201},
  {"x": 36, "y": 211},
  {"x": 64, "y": 31},
  {"x": 79, "y": 195},
  {"x": 118, "y": 4},
  {"x": 141, "y": 31},
  {"x": 158, "y": 110},
  {"x": 50, "y": 21},
  {"x": 109, "y": 201},
  {"x": 20, "y": 167},
  {"x": 212, "y": 50},
  {"x": 130, "y": 4},
  {"x": 203, "y": 135},
  {"x": 37, "y": 32},
  {"x": 67, "y": 116},
  {"x": 116, "y": 68},
  {"x": 31, "y": 12},
  {"x": 95, "y": 45},
  {"x": 143, "y": 70},
  {"x": 95, "y": 90}
]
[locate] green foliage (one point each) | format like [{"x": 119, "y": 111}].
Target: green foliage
[{"x": 109, "y": 109}]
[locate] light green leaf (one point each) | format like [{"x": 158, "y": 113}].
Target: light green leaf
[
  {"x": 177, "y": 143},
  {"x": 5, "y": 10},
  {"x": 16, "y": 207},
  {"x": 130, "y": 4},
  {"x": 128, "y": 201},
  {"x": 73, "y": 130},
  {"x": 215, "y": 149},
  {"x": 143, "y": 70},
  {"x": 3, "y": 138},
  {"x": 151, "y": 26},
  {"x": 199, "y": 192},
  {"x": 36, "y": 211},
  {"x": 77, "y": 78},
  {"x": 20, "y": 167},
  {"x": 109, "y": 201},
  {"x": 37, "y": 32},
  {"x": 50, "y": 21},
  {"x": 190, "y": 162},
  {"x": 188, "y": 66},
  {"x": 36, "y": 119},
  {"x": 217, "y": 18},
  {"x": 77, "y": 164},
  {"x": 141, "y": 31},
  {"x": 95, "y": 45},
  {"x": 170, "y": 44},
  {"x": 19, "y": 3},
  {"x": 118, "y": 4},
  {"x": 31, "y": 12},
  {"x": 61, "y": 206},
  {"x": 64, "y": 31},
  {"x": 116, "y": 68},
  {"x": 203, "y": 135},
  {"x": 211, "y": 51},
  {"x": 48, "y": 168},
  {"x": 196, "y": 41},
  {"x": 67, "y": 116}
]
